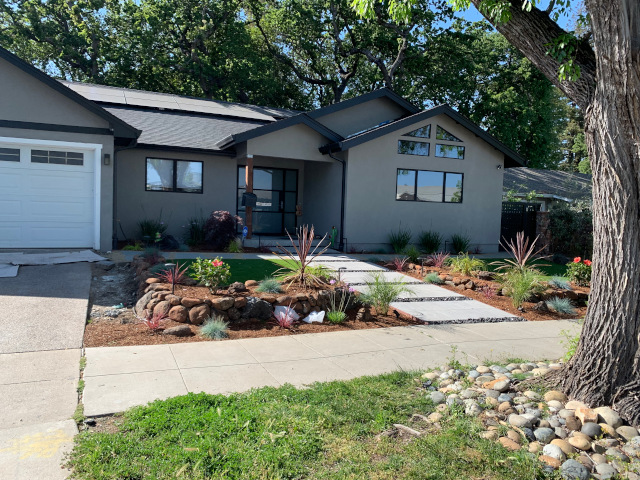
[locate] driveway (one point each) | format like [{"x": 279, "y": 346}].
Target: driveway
[{"x": 43, "y": 315}]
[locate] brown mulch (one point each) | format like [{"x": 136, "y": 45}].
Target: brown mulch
[
  {"x": 111, "y": 332},
  {"x": 501, "y": 302}
]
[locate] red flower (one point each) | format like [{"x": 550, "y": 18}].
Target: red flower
[
  {"x": 587, "y": 263},
  {"x": 217, "y": 263},
  {"x": 577, "y": 260}
]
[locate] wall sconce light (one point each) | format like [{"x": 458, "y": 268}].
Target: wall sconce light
[
  {"x": 499, "y": 167},
  {"x": 107, "y": 159}
]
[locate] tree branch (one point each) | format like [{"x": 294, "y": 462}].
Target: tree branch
[{"x": 532, "y": 32}]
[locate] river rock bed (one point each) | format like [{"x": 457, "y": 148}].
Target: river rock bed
[{"x": 567, "y": 436}]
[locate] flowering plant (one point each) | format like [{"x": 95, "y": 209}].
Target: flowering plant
[
  {"x": 579, "y": 271},
  {"x": 211, "y": 273},
  {"x": 339, "y": 300}
]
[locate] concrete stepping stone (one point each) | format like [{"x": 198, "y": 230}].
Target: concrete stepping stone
[
  {"x": 355, "y": 278},
  {"x": 443, "y": 312}
]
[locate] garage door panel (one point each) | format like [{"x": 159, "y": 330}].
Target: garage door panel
[{"x": 46, "y": 205}]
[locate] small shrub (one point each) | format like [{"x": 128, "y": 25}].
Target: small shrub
[
  {"x": 220, "y": 229},
  {"x": 381, "y": 292},
  {"x": 488, "y": 291},
  {"x": 430, "y": 241},
  {"x": 269, "y": 285},
  {"x": 579, "y": 271},
  {"x": 434, "y": 278},
  {"x": 400, "y": 240},
  {"x": 194, "y": 235},
  {"x": 211, "y": 273},
  {"x": 560, "y": 283},
  {"x": 465, "y": 264},
  {"x": 335, "y": 317},
  {"x": 398, "y": 264},
  {"x": 571, "y": 227},
  {"x": 439, "y": 259},
  {"x": 412, "y": 253},
  {"x": 235, "y": 246},
  {"x": 561, "y": 305},
  {"x": 460, "y": 243},
  {"x": 136, "y": 247},
  {"x": 151, "y": 319},
  {"x": 521, "y": 284},
  {"x": 215, "y": 328},
  {"x": 174, "y": 276}
]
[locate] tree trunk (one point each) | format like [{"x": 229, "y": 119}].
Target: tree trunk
[{"x": 605, "y": 367}]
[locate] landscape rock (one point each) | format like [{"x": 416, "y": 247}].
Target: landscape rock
[
  {"x": 502, "y": 385},
  {"x": 152, "y": 280},
  {"x": 223, "y": 304},
  {"x": 519, "y": 421},
  {"x": 178, "y": 331},
  {"x": 178, "y": 313},
  {"x": 257, "y": 308},
  {"x": 591, "y": 429},
  {"x": 555, "y": 395},
  {"x": 544, "y": 435},
  {"x": 574, "y": 405},
  {"x": 573, "y": 423},
  {"x": 240, "y": 303},
  {"x": 608, "y": 416},
  {"x": 237, "y": 287},
  {"x": 552, "y": 462},
  {"x": 509, "y": 444},
  {"x": 586, "y": 415},
  {"x": 141, "y": 304},
  {"x": 574, "y": 470},
  {"x": 553, "y": 451},
  {"x": 605, "y": 471},
  {"x": 627, "y": 432},
  {"x": 162, "y": 308},
  {"x": 437, "y": 397},
  {"x": 191, "y": 302},
  {"x": 566, "y": 447},
  {"x": 490, "y": 435},
  {"x": 234, "y": 314},
  {"x": 251, "y": 283},
  {"x": 535, "y": 447},
  {"x": 199, "y": 313},
  {"x": 580, "y": 442}
]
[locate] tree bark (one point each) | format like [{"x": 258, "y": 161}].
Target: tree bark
[{"x": 605, "y": 369}]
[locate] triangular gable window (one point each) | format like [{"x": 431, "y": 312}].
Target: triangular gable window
[
  {"x": 422, "y": 132},
  {"x": 442, "y": 134}
]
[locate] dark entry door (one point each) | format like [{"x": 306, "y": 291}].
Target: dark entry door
[
  {"x": 277, "y": 192},
  {"x": 518, "y": 217}
]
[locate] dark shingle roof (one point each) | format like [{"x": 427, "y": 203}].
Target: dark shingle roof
[
  {"x": 185, "y": 130},
  {"x": 570, "y": 185}
]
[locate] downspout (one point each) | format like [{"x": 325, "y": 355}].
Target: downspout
[
  {"x": 344, "y": 189},
  {"x": 114, "y": 235}
]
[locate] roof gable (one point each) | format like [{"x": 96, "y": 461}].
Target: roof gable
[
  {"x": 120, "y": 128},
  {"x": 352, "y": 102},
  {"x": 512, "y": 158}
]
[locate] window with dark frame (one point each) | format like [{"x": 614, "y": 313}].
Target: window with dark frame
[
  {"x": 409, "y": 147},
  {"x": 429, "y": 186},
  {"x": 449, "y": 151},
  {"x": 9, "y": 154},
  {"x": 57, "y": 157},
  {"x": 169, "y": 175}
]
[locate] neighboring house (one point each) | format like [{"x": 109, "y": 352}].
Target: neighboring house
[
  {"x": 81, "y": 165},
  {"x": 546, "y": 186}
]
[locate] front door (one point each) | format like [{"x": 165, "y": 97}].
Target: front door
[{"x": 277, "y": 192}]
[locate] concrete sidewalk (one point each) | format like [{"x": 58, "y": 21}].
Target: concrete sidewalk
[
  {"x": 117, "y": 378},
  {"x": 40, "y": 347}
]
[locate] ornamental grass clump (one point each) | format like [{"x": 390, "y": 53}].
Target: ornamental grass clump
[
  {"x": 561, "y": 305},
  {"x": 400, "y": 239},
  {"x": 560, "y": 283},
  {"x": 430, "y": 241},
  {"x": 465, "y": 264},
  {"x": 434, "y": 278},
  {"x": 412, "y": 253},
  {"x": 235, "y": 246},
  {"x": 460, "y": 243},
  {"x": 297, "y": 259},
  {"x": 521, "y": 285},
  {"x": 211, "y": 273},
  {"x": 398, "y": 264},
  {"x": 215, "y": 328},
  {"x": 269, "y": 285},
  {"x": 339, "y": 301},
  {"x": 438, "y": 260},
  {"x": 380, "y": 292}
]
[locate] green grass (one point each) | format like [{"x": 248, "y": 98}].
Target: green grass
[
  {"x": 547, "y": 267},
  {"x": 243, "y": 270},
  {"x": 327, "y": 431}
]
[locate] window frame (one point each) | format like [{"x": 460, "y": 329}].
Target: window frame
[
  {"x": 428, "y": 144},
  {"x": 444, "y": 186},
  {"x": 64, "y": 156},
  {"x": 463, "y": 147},
  {"x": 175, "y": 175}
]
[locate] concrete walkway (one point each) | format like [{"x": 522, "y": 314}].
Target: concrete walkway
[
  {"x": 117, "y": 378},
  {"x": 40, "y": 347}
]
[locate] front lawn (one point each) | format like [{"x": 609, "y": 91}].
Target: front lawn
[
  {"x": 328, "y": 431},
  {"x": 547, "y": 267},
  {"x": 243, "y": 270}
]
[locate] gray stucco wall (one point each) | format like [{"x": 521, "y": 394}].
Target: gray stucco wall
[
  {"x": 372, "y": 211},
  {"x": 295, "y": 142},
  {"x": 322, "y": 189},
  {"x": 26, "y": 99}
]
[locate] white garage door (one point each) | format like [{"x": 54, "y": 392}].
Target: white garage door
[{"x": 47, "y": 196}]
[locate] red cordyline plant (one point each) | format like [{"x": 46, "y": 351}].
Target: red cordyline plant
[
  {"x": 294, "y": 269},
  {"x": 398, "y": 264},
  {"x": 286, "y": 319},
  {"x": 151, "y": 319},
  {"x": 174, "y": 276},
  {"x": 439, "y": 259},
  {"x": 488, "y": 291},
  {"x": 523, "y": 253}
]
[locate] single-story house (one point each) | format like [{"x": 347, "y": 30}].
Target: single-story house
[
  {"x": 81, "y": 165},
  {"x": 546, "y": 187}
]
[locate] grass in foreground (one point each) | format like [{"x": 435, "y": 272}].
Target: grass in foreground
[
  {"x": 243, "y": 270},
  {"x": 325, "y": 432}
]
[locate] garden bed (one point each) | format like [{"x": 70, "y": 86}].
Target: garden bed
[{"x": 530, "y": 310}]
